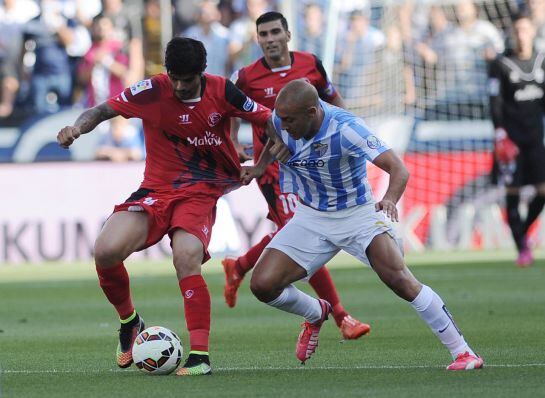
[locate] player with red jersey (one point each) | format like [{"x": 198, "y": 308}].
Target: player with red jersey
[
  {"x": 190, "y": 163},
  {"x": 262, "y": 81}
]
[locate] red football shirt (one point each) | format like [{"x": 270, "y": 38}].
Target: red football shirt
[
  {"x": 262, "y": 83},
  {"x": 187, "y": 143}
]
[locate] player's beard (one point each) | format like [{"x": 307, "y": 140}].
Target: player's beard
[{"x": 276, "y": 53}]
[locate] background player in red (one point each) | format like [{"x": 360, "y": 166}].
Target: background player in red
[
  {"x": 262, "y": 81},
  {"x": 190, "y": 163}
]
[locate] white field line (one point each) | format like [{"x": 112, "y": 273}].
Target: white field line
[{"x": 265, "y": 369}]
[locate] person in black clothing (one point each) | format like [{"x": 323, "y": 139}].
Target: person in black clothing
[{"x": 516, "y": 87}]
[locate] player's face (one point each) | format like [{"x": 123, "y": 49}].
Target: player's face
[
  {"x": 524, "y": 32},
  {"x": 273, "y": 39},
  {"x": 185, "y": 87},
  {"x": 296, "y": 121}
]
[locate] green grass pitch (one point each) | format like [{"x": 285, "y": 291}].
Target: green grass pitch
[{"x": 58, "y": 335}]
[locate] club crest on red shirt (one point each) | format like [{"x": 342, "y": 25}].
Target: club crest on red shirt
[{"x": 214, "y": 119}]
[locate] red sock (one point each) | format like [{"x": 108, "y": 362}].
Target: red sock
[
  {"x": 197, "y": 311},
  {"x": 322, "y": 283},
  {"x": 114, "y": 281},
  {"x": 247, "y": 262}
]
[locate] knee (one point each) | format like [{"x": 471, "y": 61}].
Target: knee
[
  {"x": 187, "y": 261},
  {"x": 261, "y": 288},
  {"x": 107, "y": 253}
]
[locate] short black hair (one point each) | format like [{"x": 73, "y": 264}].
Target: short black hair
[
  {"x": 272, "y": 16},
  {"x": 185, "y": 56}
]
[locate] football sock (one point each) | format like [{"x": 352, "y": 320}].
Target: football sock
[
  {"x": 513, "y": 218},
  {"x": 246, "y": 262},
  {"x": 197, "y": 311},
  {"x": 534, "y": 209},
  {"x": 432, "y": 310},
  {"x": 133, "y": 319},
  {"x": 322, "y": 283},
  {"x": 114, "y": 282},
  {"x": 296, "y": 302}
]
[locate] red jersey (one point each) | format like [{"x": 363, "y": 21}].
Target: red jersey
[
  {"x": 188, "y": 143},
  {"x": 262, "y": 83}
]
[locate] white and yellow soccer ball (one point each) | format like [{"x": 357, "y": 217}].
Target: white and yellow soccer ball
[{"x": 157, "y": 351}]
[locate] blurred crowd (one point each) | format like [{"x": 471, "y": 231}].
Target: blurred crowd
[{"x": 397, "y": 56}]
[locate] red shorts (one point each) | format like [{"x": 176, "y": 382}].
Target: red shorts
[
  {"x": 193, "y": 210},
  {"x": 281, "y": 205}
]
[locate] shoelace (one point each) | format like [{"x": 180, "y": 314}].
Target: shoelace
[{"x": 464, "y": 355}]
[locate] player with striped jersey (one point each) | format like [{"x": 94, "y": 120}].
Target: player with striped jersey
[
  {"x": 324, "y": 150},
  {"x": 261, "y": 81}
]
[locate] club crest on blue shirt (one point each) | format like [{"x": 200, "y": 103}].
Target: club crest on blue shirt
[
  {"x": 373, "y": 142},
  {"x": 319, "y": 148}
]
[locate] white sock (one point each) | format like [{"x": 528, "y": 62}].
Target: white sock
[
  {"x": 295, "y": 301},
  {"x": 432, "y": 310}
]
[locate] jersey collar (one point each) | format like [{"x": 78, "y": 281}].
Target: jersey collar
[{"x": 281, "y": 68}]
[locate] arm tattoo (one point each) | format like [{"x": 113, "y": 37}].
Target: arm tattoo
[{"x": 92, "y": 117}]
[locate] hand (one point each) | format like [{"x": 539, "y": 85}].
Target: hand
[
  {"x": 505, "y": 150},
  {"x": 248, "y": 173},
  {"x": 241, "y": 152},
  {"x": 280, "y": 151},
  {"x": 389, "y": 208},
  {"x": 67, "y": 135}
]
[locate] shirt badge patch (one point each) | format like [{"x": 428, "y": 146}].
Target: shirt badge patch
[
  {"x": 142, "y": 85},
  {"x": 249, "y": 105},
  {"x": 269, "y": 92},
  {"x": 213, "y": 119},
  {"x": 184, "y": 119},
  {"x": 373, "y": 142},
  {"x": 320, "y": 148}
]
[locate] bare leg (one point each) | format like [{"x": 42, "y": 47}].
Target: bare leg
[
  {"x": 124, "y": 233},
  {"x": 272, "y": 284},
  {"x": 388, "y": 263}
]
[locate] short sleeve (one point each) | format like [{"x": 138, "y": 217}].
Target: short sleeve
[
  {"x": 359, "y": 142},
  {"x": 141, "y": 100},
  {"x": 244, "y": 107}
]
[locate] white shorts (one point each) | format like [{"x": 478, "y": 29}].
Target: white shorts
[{"x": 312, "y": 238}]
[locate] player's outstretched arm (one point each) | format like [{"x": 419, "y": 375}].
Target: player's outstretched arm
[
  {"x": 85, "y": 123},
  {"x": 273, "y": 149},
  {"x": 399, "y": 175}
]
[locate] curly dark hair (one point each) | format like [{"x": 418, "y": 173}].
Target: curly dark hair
[{"x": 185, "y": 56}]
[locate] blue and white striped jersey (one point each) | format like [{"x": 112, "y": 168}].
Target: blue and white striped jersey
[{"x": 329, "y": 171}]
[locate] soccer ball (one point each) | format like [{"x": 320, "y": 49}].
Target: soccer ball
[{"x": 157, "y": 351}]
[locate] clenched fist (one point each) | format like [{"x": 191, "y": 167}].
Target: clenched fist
[
  {"x": 248, "y": 173},
  {"x": 67, "y": 135}
]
